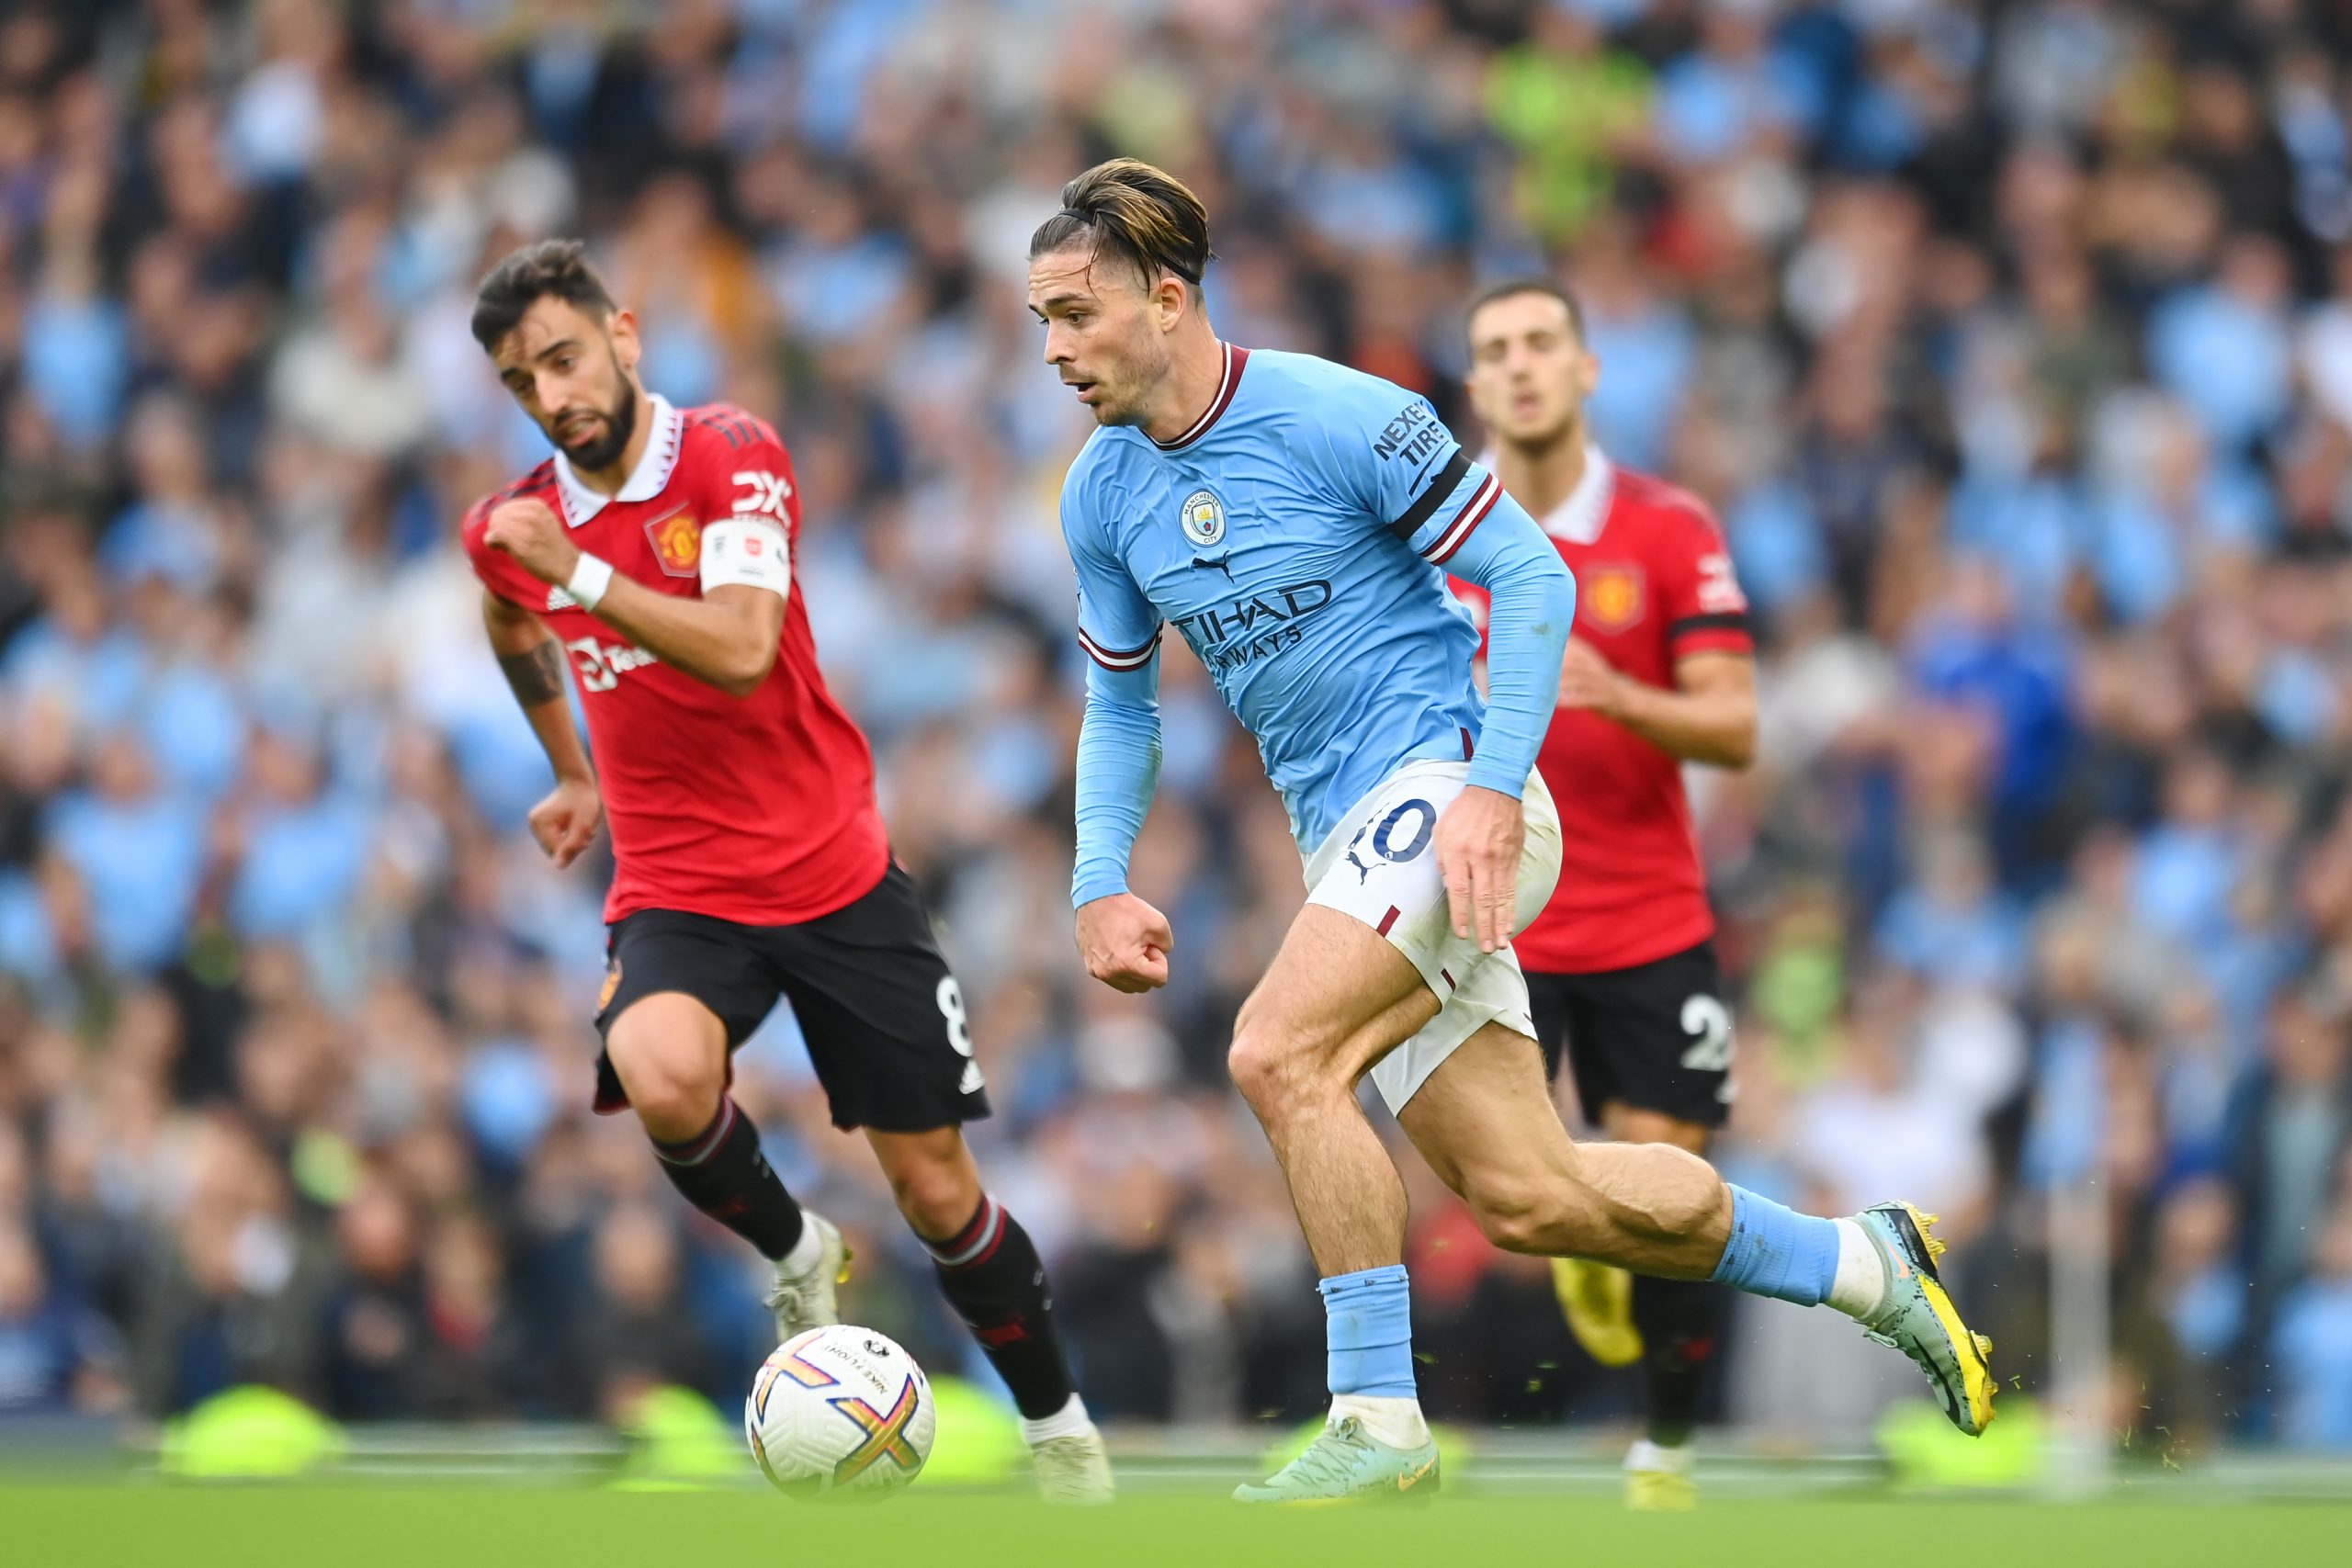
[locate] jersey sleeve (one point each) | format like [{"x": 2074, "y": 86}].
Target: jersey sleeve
[
  {"x": 1479, "y": 601},
  {"x": 498, "y": 572},
  {"x": 1117, "y": 624},
  {"x": 741, "y": 472},
  {"x": 1704, "y": 610},
  {"x": 1390, "y": 454},
  {"x": 749, "y": 502}
]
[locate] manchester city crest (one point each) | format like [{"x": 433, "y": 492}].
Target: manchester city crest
[{"x": 1203, "y": 518}]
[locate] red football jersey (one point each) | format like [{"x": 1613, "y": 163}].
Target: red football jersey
[
  {"x": 1654, "y": 584},
  {"x": 760, "y": 809}
]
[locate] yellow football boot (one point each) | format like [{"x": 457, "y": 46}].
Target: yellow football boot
[
  {"x": 1659, "y": 1480},
  {"x": 1598, "y": 1301},
  {"x": 1917, "y": 1316}
]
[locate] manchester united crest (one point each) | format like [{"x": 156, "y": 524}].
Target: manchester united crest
[
  {"x": 677, "y": 544},
  {"x": 1203, "y": 518},
  {"x": 1611, "y": 597}
]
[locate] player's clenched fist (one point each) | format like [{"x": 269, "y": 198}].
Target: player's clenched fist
[
  {"x": 565, "y": 823},
  {"x": 1125, "y": 941},
  {"x": 534, "y": 535}
]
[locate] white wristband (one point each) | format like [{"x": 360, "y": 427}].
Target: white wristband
[{"x": 591, "y": 579}]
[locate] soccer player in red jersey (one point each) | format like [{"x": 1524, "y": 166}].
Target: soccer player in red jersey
[
  {"x": 1621, "y": 965},
  {"x": 653, "y": 554}
]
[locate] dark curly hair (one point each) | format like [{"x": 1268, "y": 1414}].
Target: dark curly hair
[{"x": 551, "y": 266}]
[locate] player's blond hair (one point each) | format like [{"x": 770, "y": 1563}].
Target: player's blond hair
[{"x": 1128, "y": 210}]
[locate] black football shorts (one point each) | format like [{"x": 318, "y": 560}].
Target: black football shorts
[
  {"x": 877, "y": 1003},
  {"x": 1657, "y": 1036}
]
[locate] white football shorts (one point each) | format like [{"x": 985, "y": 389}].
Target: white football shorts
[{"x": 1380, "y": 866}]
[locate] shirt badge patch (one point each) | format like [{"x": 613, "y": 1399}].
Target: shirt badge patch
[
  {"x": 1611, "y": 597},
  {"x": 1203, "y": 518},
  {"x": 677, "y": 544}
]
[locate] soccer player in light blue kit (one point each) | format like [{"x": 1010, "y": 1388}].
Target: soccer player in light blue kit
[{"x": 1288, "y": 517}]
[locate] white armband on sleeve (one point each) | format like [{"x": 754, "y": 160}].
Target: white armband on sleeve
[{"x": 749, "y": 550}]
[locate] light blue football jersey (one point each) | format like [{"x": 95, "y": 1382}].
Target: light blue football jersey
[{"x": 1294, "y": 537}]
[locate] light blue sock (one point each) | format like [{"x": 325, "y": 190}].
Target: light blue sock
[
  {"x": 1368, "y": 1324},
  {"x": 1775, "y": 1251}
]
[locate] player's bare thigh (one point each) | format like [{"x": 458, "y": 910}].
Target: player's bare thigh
[
  {"x": 1485, "y": 1123},
  {"x": 669, "y": 1053},
  {"x": 1337, "y": 997}
]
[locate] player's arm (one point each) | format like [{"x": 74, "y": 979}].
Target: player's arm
[
  {"x": 565, "y": 822},
  {"x": 1454, "y": 514},
  {"x": 1123, "y": 940},
  {"x": 1531, "y": 606},
  {"x": 1402, "y": 468},
  {"x": 1709, "y": 716},
  {"x": 727, "y": 639}
]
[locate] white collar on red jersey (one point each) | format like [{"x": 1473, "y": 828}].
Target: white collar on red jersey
[
  {"x": 1580, "y": 518},
  {"x": 645, "y": 481}
]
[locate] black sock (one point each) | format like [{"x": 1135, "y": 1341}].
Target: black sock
[
  {"x": 722, "y": 1172},
  {"x": 1678, "y": 1320},
  {"x": 993, "y": 1278}
]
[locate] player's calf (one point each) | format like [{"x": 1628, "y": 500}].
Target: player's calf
[
  {"x": 990, "y": 1273},
  {"x": 669, "y": 1053},
  {"x": 932, "y": 1179},
  {"x": 1679, "y": 1321},
  {"x": 1647, "y": 1206}
]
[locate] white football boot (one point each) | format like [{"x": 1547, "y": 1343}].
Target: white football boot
[{"x": 805, "y": 1278}]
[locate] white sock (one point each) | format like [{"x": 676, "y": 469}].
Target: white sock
[
  {"x": 1070, "y": 1421},
  {"x": 807, "y": 1253},
  {"x": 1648, "y": 1455},
  {"x": 1859, "y": 1289},
  {"x": 1395, "y": 1420}
]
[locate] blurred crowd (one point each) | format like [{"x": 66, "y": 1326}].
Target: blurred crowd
[{"x": 2012, "y": 341}]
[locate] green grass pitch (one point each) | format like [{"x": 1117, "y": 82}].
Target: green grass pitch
[{"x": 67, "y": 1526}]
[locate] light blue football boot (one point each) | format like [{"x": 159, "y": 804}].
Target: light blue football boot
[{"x": 1345, "y": 1464}]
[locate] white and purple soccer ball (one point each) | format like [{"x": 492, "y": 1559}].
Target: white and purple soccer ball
[{"x": 839, "y": 1412}]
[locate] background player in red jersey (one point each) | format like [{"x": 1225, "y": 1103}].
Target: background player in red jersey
[
  {"x": 653, "y": 553},
  {"x": 1621, "y": 965}
]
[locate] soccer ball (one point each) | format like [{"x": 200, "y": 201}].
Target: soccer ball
[{"x": 840, "y": 1412}]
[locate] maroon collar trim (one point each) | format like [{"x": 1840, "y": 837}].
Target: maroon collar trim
[{"x": 1228, "y": 384}]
